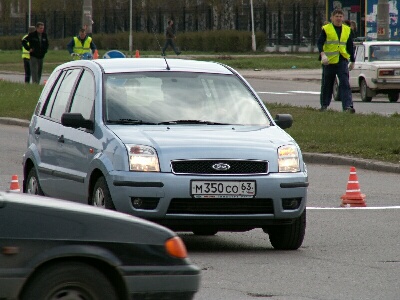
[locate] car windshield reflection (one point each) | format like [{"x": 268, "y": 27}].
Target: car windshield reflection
[{"x": 152, "y": 98}]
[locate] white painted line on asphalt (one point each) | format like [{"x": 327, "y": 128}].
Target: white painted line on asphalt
[
  {"x": 305, "y": 92},
  {"x": 273, "y": 93},
  {"x": 364, "y": 208}
]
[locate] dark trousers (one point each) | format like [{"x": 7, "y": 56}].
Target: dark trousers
[
  {"x": 27, "y": 68},
  {"x": 170, "y": 42},
  {"x": 341, "y": 70},
  {"x": 36, "y": 69}
]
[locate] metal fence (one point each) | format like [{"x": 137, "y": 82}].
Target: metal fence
[{"x": 295, "y": 25}]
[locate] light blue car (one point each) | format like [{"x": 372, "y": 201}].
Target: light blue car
[{"x": 186, "y": 144}]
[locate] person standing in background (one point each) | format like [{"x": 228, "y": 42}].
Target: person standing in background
[
  {"x": 336, "y": 49},
  {"x": 169, "y": 39},
  {"x": 37, "y": 44},
  {"x": 81, "y": 44},
  {"x": 26, "y": 57}
]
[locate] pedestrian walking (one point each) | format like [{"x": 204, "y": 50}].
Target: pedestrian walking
[
  {"x": 37, "y": 44},
  {"x": 169, "y": 39},
  {"x": 336, "y": 49},
  {"x": 26, "y": 57},
  {"x": 82, "y": 43}
]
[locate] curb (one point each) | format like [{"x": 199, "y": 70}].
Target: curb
[
  {"x": 314, "y": 158},
  {"x": 14, "y": 121},
  {"x": 367, "y": 164}
]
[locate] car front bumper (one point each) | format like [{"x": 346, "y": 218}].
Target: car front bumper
[{"x": 164, "y": 188}]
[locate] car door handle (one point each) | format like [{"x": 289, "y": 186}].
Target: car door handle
[
  {"x": 37, "y": 130},
  {"x": 61, "y": 139}
]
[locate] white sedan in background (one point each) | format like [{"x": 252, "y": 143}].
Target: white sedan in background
[{"x": 376, "y": 70}]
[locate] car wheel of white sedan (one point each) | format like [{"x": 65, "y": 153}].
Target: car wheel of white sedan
[
  {"x": 364, "y": 91},
  {"x": 393, "y": 96},
  {"x": 69, "y": 281},
  {"x": 336, "y": 90},
  {"x": 101, "y": 195}
]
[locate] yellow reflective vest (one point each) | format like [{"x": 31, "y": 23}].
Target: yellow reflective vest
[
  {"x": 25, "y": 53},
  {"x": 82, "y": 48},
  {"x": 334, "y": 47}
]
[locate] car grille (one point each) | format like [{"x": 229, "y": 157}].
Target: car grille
[
  {"x": 236, "y": 167},
  {"x": 220, "y": 206}
]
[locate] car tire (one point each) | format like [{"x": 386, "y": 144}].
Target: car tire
[
  {"x": 32, "y": 185},
  {"x": 364, "y": 91},
  {"x": 69, "y": 280},
  {"x": 336, "y": 90},
  {"x": 101, "y": 196},
  {"x": 288, "y": 237},
  {"x": 205, "y": 231},
  {"x": 393, "y": 96}
]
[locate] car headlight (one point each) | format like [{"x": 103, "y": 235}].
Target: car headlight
[
  {"x": 288, "y": 159},
  {"x": 142, "y": 158}
]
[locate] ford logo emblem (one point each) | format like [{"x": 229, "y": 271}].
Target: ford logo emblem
[{"x": 221, "y": 167}]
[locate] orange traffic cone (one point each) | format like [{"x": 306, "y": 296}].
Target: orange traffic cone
[
  {"x": 353, "y": 196},
  {"x": 137, "y": 55},
  {"x": 14, "y": 185}
]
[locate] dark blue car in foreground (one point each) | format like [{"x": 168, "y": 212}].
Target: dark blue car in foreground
[{"x": 54, "y": 249}]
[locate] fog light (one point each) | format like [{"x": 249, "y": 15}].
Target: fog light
[
  {"x": 291, "y": 203},
  {"x": 137, "y": 203}
]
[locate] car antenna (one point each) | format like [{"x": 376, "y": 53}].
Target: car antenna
[{"x": 163, "y": 54}]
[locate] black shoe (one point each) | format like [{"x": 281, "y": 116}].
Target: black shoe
[
  {"x": 177, "y": 53},
  {"x": 323, "y": 108},
  {"x": 350, "y": 110}
]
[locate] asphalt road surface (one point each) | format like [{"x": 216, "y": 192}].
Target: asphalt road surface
[{"x": 348, "y": 253}]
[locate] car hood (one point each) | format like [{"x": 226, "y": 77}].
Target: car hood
[
  {"x": 48, "y": 218},
  {"x": 183, "y": 142}
]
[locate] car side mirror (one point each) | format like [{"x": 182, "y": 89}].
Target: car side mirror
[
  {"x": 284, "y": 120},
  {"x": 76, "y": 120}
]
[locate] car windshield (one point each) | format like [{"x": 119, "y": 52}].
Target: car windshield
[
  {"x": 384, "y": 53},
  {"x": 180, "y": 98}
]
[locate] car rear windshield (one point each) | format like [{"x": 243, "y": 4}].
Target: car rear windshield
[
  {"x": 180, "y": 97},
  {"x": 384, "y": 53}
]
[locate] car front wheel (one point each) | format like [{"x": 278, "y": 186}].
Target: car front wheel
[
  {"x": 32, "y": 185},
  {"x": 101, "y": 195},
  {"x": 69, "y": 281},
  {"x": 393, "y": 96},
  {"x": 288, "y": 237},
  {"x": 364, "y": 91}
]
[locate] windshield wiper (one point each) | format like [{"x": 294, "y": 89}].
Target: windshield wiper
[
  {"x": 191, "y": 122},
  {"x": 130, "y": 122}
]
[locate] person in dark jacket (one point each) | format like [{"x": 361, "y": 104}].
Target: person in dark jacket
[
  {"x": 37, "y": 44},
  {"x": 169, "y": 39}
]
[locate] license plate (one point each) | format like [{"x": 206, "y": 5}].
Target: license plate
[{"x": 223, "y": 189}]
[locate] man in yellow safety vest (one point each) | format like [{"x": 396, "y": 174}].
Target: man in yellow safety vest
[
  {"x": 26, "y": 57},
  {"x": 81, "y": 44},
  {"x": 336, "y": 49}
]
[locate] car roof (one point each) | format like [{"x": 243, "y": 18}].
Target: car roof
[
  {"x": 378, "y": 43},
  {"x": 121, "y": 65}
]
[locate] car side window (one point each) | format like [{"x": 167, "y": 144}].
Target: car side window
[
  {"x": 61, "y": 94},
  {"x": 84, "y": 96}
]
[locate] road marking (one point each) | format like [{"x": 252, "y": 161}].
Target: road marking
[
  {"x": 274, "y": 93},
  {"x": 305, "y": 92},
  {"x": 363, "y": 208},
  {"x": 291, "y": 93}
]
